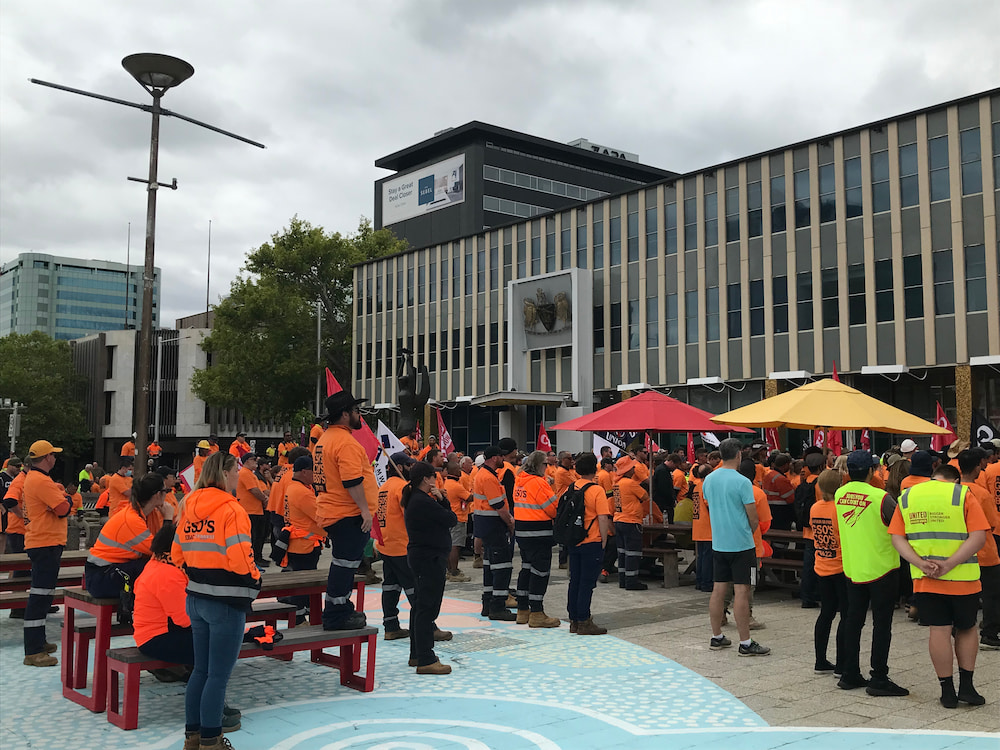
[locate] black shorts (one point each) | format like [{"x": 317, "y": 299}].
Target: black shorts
[
  {"x": 735, "y": 567},
  {"x": 946, "y": 610}
]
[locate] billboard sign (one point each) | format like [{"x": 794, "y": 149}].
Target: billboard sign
[{"x": 424, "y": 190}]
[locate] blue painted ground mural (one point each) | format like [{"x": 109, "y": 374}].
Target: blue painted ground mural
[{"x": 512, "y": 687}]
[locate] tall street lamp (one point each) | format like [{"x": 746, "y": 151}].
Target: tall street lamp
[{"x": 156, "y": 74}]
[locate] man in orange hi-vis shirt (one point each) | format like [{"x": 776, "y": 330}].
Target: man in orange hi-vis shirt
[
  {"x": 128, "y": 447},
  {"x": 253, "y": 500},
  {"x": 120, "y": 486}
]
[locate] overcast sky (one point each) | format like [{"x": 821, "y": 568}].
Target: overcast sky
[{"x": 331, "y": 86}]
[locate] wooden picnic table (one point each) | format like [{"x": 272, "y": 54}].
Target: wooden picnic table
[{"x": 20, "y": 560}]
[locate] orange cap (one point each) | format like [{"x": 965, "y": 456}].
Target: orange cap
[{"x": 42, "y": 448}]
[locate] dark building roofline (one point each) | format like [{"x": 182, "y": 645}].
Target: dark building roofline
[
  {"x": 759, "y": 155},
  {"x": 432, "y": 148}
]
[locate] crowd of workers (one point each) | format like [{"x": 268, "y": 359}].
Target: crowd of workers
[{"x": 193, "y": 562}]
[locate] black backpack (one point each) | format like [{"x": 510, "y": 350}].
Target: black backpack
[
  {"x": 805, "y": 496},
  {"x": 568, "y": 528}
]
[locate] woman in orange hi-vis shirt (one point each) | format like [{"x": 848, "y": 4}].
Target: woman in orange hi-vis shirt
[
  {"x": 160, "y": 623},
  {"x": 829, "y": 567},
  {"x": 701, "y": 530},
  {"x": 213, "y": 546},
  {"x": 398, "y": 578}
]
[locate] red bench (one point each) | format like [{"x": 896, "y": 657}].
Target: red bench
[{"x": 125, "y": 665}]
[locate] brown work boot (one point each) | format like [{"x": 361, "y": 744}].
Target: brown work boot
[
  {"x": 573, "y": 625},
  {"x": 522, "y": 616},
  {"x": 216, "y": 743},
  {"x": 411, "y": 663},
  {"x": 442, "y": 635},
  {"x": 192, "y": 740},
  {"x": 457, "y": 576},
  {"x": 511, "y": 602},
  {"x": 395, "y": 635},
  {"x": 477, "y": 561},
  {"x": 50, "y": 648},
  {"x": 41, "y": 659},
  {"x": 435, "y": 668},
  {"x": 589, "y": 627},
  {"x": 542, "y": 620}
]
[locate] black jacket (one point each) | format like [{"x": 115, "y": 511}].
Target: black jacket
[
  {"x": 662, "y": 490},
  {"x": 428, "y": 522}
]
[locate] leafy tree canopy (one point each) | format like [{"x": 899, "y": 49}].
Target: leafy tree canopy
[
  {"x": 263, "y": 343},
  {"x": 37, "y": 371}
]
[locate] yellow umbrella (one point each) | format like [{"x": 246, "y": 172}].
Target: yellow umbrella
[{"x": 828, "y": 403}]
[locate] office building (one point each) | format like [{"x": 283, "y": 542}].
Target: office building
[
  {"x": 68, "y": 298},
  {"x": 473, "y": 177},
  {"x": 873, "y": 248}
]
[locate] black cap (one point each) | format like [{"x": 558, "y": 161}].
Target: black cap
[
  {"x": 860, "y": 461},
  {"x": 302, "y": 463},
  {"x": 340, "y": 402},
  {"x": 127, "y": 460},
  {"x": 401, "y": 459},
  {"x": 493, "y": 451},
  {"x": 248, "y": 456},
  {"x": 506, "y": 445},
  {"x": 165, "y": 471}
]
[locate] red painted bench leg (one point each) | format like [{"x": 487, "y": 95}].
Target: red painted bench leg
[
  {"x": 82, "y": 643},
  {"x": 66, "y": 668}
]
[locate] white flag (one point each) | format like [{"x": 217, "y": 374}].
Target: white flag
[
  {"x": 388, "y": 444},
  {"x": 600, "y": 442},
  {"x": 710, "y": 438}
]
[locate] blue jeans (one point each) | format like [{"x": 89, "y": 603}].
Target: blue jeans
[
  {"x": 217, "y": 630},
  {"x": 584, "y": 568}
]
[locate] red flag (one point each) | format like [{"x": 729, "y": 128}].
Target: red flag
[
  {"x": 866, "y": 439},
  {"x": 938, "y": 442},
  {"x": 420, "y": 438},
  {"x": 819, "y": 437},
  {"x": 771, "y": 438},
  {"x": 365, "y": 436},
  {"x": 690, "y": 451},
  {"x": 444, "y": 439},
  {"x": 835, "y": 439},
  {"x": 650, "y": 444},
  {"x": 543, "y": 443},
  {"x": 835, "y": 371}
]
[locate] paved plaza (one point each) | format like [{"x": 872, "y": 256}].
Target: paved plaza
[{"x": 650, "y": 683}]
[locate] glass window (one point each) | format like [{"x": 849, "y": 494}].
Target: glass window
[
  {"x": 908, "y": 182},
  {"x": 913, "y": 292},
  {"x": 494, "y": 345},
  {"x": 804, "y": 296},
  {"x": 481, "y": 345},
  {"x": 671, "y": 318},
  {"x": 712, "y": 313},
  {"x": 615, "y": 233},
  {"x": 599, "y": 329},
  {"x": 565, "y": 244},
  {"x": 421, "y": 283},
  {"x": 536, "y": 248},
  {"x": 711, "y": 219},
  {"x": 972, "y": 173},
  {"x": 469, "y": 267},
  {"x": 633, "y": 324},
  {"x": 975, "y": 278},
  {"x": 550, "y": 244},
  {"x": 651, "y": 232},
  {"x": 827, "y": 194},
  {"x": 616, "y": 326},
  {"x": 944, "y": 286},
  {"x": 802, "y": 212},
  {"x": 522, "y": 252},
  {"x": 507, "y": 256},
  {"x": 937, "y": 152},
  {"x": 691, "y": 316},
  {"x": 468, "y": 347},
  {"x": 779, "y": 303},
  {"x": 732, "y": 214},
  {"x": 670, "y": 228},
  {"x": 581, "y": 239},
  {"x": 856, "y": 312},
  {"x": 409, "y": 281},
  {"x": 494, "y": 261},
  {"x": 880, "y": 181},
  {"x": 996, "y": 155},
  {"x": 652, "y": 323},
  {"x": 778, "y": 204},
  {"x": 734, "y": 314},
  {"x": 690, "y": 224},
  {"x": 757, "y": 308},
  {"x": 598, "y": 235},
  {"x": 884, "y": 305},
  {"x": 829, "y": 290},
  {"x": 852, "y": 186},
  {"x": 755, "y": 221},
  {"x": 456, "y": 270},
  {"x": 632, "y": 228},
  {"x": 480, "y": 264}
]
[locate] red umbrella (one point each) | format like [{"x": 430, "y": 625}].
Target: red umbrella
[{"x": 649, "y": 411}]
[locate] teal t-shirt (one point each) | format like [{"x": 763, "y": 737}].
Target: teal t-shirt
[{"x": 726, "y": 491}]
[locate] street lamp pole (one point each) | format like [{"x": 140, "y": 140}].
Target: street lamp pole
[{"x": 155, "y": 73}]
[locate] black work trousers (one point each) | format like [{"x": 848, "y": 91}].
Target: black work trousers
[
  {"x": 497, "y": 565},
  {"x": 880, "y": 595},
  {"x": 397, "y": 578},
  {"x": 429, "y": 576},
  {"x": 348, "y": 542},
  {"x": 536, "y": 564},
  {"x": 629, "y": 539},
  {"x": 44, "y": 577},
  {"x": 302, "y": 561},
  {"x": 833, "y": 602},
  {"x": 989, "y": 575},
  {"x": 260, "y": 532}
]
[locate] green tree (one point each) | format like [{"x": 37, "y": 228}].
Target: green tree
[
  {"x": 37, "y": 371},
  {"x": 263, "y": 342}
]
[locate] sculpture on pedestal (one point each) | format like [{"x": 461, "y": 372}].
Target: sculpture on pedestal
[{"x": 414, "y": 391}]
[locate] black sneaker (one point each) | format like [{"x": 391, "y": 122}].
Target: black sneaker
[
  {"x": 823, "y": 667},
  {"x": 852, "y": 682},
  {"x": 485, "y": 611},
  {"x": 717, "y": 644},
  {"x": 636, "y": 586},
  {"x": 810, "y": 605},
  {"x": 886, "y": 688},
  {"x": 354, "y": 621},
  {"x": 986, "y": 642},
  {"x": 754, "y": 649}
]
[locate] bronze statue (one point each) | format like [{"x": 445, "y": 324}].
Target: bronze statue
[{"x": 414, "y": 391}]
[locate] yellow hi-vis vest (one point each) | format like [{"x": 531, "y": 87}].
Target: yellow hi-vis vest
[
  {"x": 934, "y": 518},
  {"x": 864, "y": 539}
]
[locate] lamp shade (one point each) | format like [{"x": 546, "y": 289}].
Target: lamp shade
[{"x": 157, "y": 71}]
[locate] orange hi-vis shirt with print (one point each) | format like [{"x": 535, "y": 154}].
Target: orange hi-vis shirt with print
[
  {"x": 390, "y": 519},
  {"x": 459, "y": 497},
  {"x": 340, "y": 462},
  {"x": 488, "y": 493},
  {"x": 988, "y": 555},
  {"x": 534, "y": 499},
  {"x": 117, "y": 486},
  {"x": 124, "y": 537},
  {"x": 300, "y": 503},
  {"x": 42, "y": 527},
  {"x": 629, "y": 497},
  {"x": 989, "y": 480},
  {"x": 15, "y": 524},
  {"x": 701, "y": 524},
  {"x": 276, "y": 500},
  {"x": 826, "y": 538},
  {"x": 595, "y": 503},
  {"x": 248, "y": 481}
]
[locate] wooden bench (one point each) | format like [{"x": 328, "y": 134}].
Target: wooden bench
[
  {"x": 668, "y": 556},
  {"x": 19, "y": 599},
  {"x": 21, "y": 561},
  {"x": 67, "y": 577},
  {"x": 124, "y": 665}
]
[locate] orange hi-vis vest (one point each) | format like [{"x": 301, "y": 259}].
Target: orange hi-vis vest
[
  {"x": 123, "y": 538},
  {"x": 534, "y": 499},
  {"x": 213, "y": 546}
]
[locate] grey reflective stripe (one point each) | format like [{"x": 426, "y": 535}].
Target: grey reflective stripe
[
  {"x": 790, "y": 493},
  {"x": 203, "y": 547},
  {"x": 41, "y": 592},
  {"x": 904, "y": 499},
  {"x": 94, "y": 560},
  {"x": 959, "y": 535},
  {"x": 237, "y": 592},
  {"x": 28, "y": 624},
  {"x": 770, "y": 492},
  {"x": 498, "y": 502},
  {"x": 138, "y": 539},
  {"x": 408, "y": 592},
  {"x": 485, "y": 513},
  {"x": 336, "y": 600},
  {"x": 631, "y": 572},
  {"x": 536, "y": 572},
  {"x": 280, "y": 544},
  {"x": 525, "y": 505},
  {"x": 536, "y": 597},
  {"x": 503, "y": 566},
  {"x": 391, "y": 587},
  {"x": 237, "y": 539},
  {"x": 528, "y": 534},
  {"x": 127, "y": 546},
  {"x": 956, "y": 495},
  {"x": 633, "y": 553},
  {"x": 477, "y": 496},
  {"x": 973, "y": 559},
  {"x": 341, "y": 563}
]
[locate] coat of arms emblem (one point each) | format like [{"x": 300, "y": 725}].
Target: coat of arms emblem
[{"x": 540, "y": 310}]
